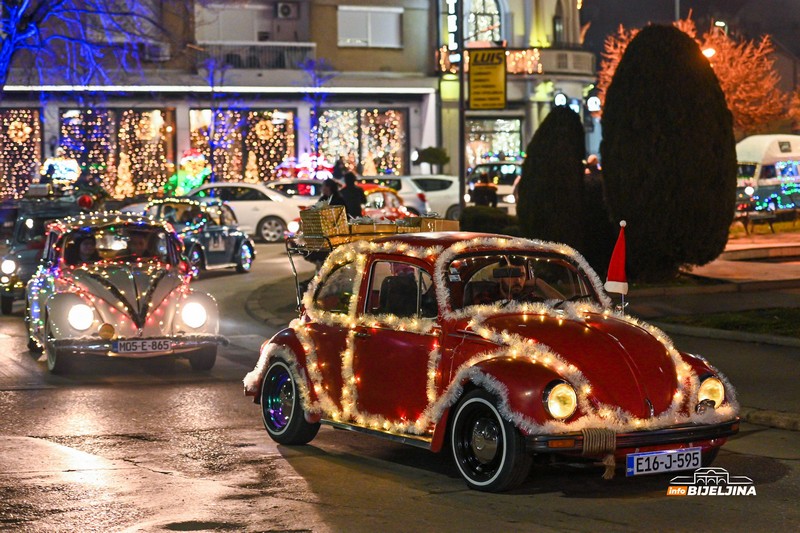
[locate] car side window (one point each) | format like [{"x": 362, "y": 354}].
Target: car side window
[
  {"x": 402, "y": 290},
  {"x": 375, "y": 200},
  {"x": 392, "y": 200},
  {"x": 249, "y": 194},
  {"x": 337, "y": 290},
  {"x": 432, "y": 184},
  {"x": 213, "y": 215},
  {"x": 228, "y": 218}
]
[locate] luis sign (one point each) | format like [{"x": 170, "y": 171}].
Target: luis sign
[{"x": 487, "y": 78}]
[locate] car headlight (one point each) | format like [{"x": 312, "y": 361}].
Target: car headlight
[
  {"x": 560, "y": 400},
  {"x": 80, "y": 317},
  {"x": 509, "y": 199},
  {"x": 293, "y": 226},
  {"x": 8, "y": 266},
  {"x": 711, "y": 389},
  {"x": 194, "y": 315}
]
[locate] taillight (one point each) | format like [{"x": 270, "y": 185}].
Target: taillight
[
  {"x": 421, "y": 196},
  {"x": 85, "y": 201}
]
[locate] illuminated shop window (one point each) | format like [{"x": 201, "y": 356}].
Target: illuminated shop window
[
  {"x": 483, "y": 22},
  {"x": 371, "y": 141},
  {"x": 21, "y": 141},
  {"x": 146, "y": 141},
  {"x": 493, "y": 139},
  {"x": 248, "y": 145},
  {"x": 89, "y": 137}
]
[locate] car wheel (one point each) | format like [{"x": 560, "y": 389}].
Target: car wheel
[
  {"x": 58, "y": 361},
  {"x": 707, "y": 458},
  {"x": 203, "y": 359},
  {"x": 245, "y": 260},
  {"x": 489, "y": 451},
  {"x": 281, "y": 409},
  {"x": 271, "y": 229},
  {"x": 453, "y": 213},
  {"x": 195, "y": 257},
  {"x": 6, "y": 305}
]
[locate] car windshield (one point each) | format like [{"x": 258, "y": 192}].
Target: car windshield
[
  {"x": 746, "y": 170},
  {"x": 500, "y": 278},
  {"x": 127, "y": 242},
  {"x": 178, "y": 213},
  {"x": 31, "y": 229}
]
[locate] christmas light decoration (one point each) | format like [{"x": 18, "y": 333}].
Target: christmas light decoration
[
  {"x": 373, "y": 139},
  {"x": 21, "y": 141},
  {"x": 89, "y": 137},
  {"x": 144, "y": 141},
  {"x": 248, "y": 145},
  {"x": 509, "y": 345}
]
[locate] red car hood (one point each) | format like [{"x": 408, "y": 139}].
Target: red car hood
[{"x": 625, "y": 365}]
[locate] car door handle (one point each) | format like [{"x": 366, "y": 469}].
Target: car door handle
[{"x": 362, "y": 335}]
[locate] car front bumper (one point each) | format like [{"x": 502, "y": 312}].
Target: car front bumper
[
  {"x": 12, "y": 286},
  {"x": 106, "y": 348},
  {"x": 706, "y": 435}
]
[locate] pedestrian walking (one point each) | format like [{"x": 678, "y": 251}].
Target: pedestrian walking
[{"x": 353, "y": 196}]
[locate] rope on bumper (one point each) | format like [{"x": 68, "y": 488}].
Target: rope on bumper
[{"x": 599, "y": 441}]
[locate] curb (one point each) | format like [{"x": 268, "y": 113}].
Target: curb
[
  {"x": 773, "y": 419},
  {"x": 724, "y": 286},
  {"x": 722, "y": 334},
  {"x": 253, "y": 307}
]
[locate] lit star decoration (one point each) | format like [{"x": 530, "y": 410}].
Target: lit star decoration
[
  {"x": 440, "y": 395},
  {"x": 21, "y": 140}
]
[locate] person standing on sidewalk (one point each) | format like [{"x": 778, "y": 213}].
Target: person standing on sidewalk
[{"x": 353, "y": 195}]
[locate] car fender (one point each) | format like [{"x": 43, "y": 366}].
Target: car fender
[
  {"x": 517, "y": 383},
  {"x": 189, "y": 242},
  {"x": 57, "y": 309},
  {"x": 287, "y": 346}
]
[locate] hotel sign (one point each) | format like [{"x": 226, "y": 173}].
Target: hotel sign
[{"x": 487, "y": 78}]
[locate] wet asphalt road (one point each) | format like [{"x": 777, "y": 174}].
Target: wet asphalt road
[{"x": 120, "y": 445}]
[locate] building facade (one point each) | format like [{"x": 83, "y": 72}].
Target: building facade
[{"x": 255, "y": 84}]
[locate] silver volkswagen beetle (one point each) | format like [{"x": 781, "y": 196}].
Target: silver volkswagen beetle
[{"x": 115, "y": 285}]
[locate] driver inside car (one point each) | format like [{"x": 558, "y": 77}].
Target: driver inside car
[{"x": 512, "y": 274}]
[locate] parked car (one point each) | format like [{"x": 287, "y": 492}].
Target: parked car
[
  {"x": 26, "y": 242},
  {"x": 504, "y": 174},
  {"x": 114, "y": 285},
  {"x": 495, "y": 348},
  {"x": 260, "y": 210},
  {"x": 210, "y": 233},
  {"x": 414, "y": 198},
  {"x": 441, "y": 192},
  {"x": 308, "y": 190}
]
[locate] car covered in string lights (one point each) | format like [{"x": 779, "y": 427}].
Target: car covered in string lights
[
  {"x": 115, "y": 285},
  {"x": 26, "y": 242},
  {"x": 497, "y": 349},
  {"x": 211, "y": 235}
]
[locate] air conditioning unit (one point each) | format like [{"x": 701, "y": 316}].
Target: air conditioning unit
[
  {"x": 288, "y": 10},
  {"x": 156, "y": 52}
]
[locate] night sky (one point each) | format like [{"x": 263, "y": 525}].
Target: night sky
[{"x": 750, "y": 18}]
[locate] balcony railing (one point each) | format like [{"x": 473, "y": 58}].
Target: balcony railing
[
  {"x": 529, "y": 61},
  {"x": 257, "y": 56}
]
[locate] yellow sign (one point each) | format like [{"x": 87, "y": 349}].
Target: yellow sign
[{"x": 487, "y": 78}]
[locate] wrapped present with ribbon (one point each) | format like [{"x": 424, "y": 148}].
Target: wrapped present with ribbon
[{"x": 325, "y": 225}]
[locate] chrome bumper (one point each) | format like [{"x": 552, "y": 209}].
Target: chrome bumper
[
  {"x": 690, "y": 433},
  {"x": 105, "y": 348}
]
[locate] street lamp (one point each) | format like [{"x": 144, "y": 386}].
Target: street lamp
[
  {"x": 722, "y": 25},
  {"x": 709, "y": 52}
]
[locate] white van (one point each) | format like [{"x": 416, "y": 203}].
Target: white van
[{"x": 768, "y": 160}]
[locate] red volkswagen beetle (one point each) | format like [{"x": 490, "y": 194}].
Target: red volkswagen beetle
[{"x": 495, "y": 348}]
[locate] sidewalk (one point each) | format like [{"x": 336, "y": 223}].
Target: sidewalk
[{"x": 746, "y": 285}]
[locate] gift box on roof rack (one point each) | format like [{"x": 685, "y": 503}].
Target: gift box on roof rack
[
  {"x": 426, "y": 224},
  {"x": 323, "y": 225}
]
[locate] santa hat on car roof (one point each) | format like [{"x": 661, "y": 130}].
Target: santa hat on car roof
[{"x": 617, "y": 281}]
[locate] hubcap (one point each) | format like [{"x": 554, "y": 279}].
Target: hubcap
[
  {"x": 279, "y": 401},
  {"x": 271, "y": 230},
  {"x": 485, "y": 439}
]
